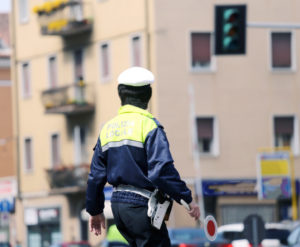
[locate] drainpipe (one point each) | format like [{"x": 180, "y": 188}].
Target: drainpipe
[
  {"x": 15, "y": 101},
  {"x": 148, "y": 62}
]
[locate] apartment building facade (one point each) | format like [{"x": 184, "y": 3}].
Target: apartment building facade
[
  {"x": 8, "y": 183},
  {"x": 67, "y": 56}
]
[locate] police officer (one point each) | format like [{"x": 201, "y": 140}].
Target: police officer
[{"x": 132, "y": 154}]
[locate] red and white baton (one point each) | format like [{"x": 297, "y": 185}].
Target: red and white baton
[{"x": 210, "y": 224}]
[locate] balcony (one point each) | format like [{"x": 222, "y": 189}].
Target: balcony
[
  {"x": 64, "y": 17},
  {"x": 68, "y": 178},
  {"x": 72, "y": 99}
]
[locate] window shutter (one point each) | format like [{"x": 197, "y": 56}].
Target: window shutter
[
  {"x": 205, "y": 128},
  {"x": 53, "y": 72},
  {"x": 26, "y": 82},
  {"x": 105, "y": 68},
  {"x": 136, "y": 49},
  {"x": 55, "y": 151},
  {"x": 284, "y": 125},
  {"x": 78, "y": 64},
  {"x": 281, "y": 50},
  {"x": 200, "y": 48},
  {"x": 28, "y": 152}
]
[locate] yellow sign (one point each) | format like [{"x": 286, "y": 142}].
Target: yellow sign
[{"x": 274, "y": 167}]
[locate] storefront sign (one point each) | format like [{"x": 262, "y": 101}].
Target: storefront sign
[
  {"x": 35, "y": 216},
  {"x": 8, "y": 191},
  {"x": 229, "y": 187},
  {"x": 8, "y": 187},
  {"x": 239, "y": 187},
  {"x": 31, "y": 216},
  {"x": 47, "y": 215},
  {"x": 274, "y": 175}
]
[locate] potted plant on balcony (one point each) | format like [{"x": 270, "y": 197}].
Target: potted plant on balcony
[{"x": 68, "y": 176}]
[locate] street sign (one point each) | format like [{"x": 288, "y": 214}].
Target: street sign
[
  {"x": 254, "y": 229},
  {"x": 7, "y": 204},
  {"x": 4, "y": 219},
  {"x": 274, "y": 175},
  {"x": 210, "y": 228}
]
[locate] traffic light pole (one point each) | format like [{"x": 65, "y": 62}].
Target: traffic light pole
[{"x": 273, "y": 25}]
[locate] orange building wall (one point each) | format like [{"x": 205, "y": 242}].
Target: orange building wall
[{"x": 6, "y": 127}]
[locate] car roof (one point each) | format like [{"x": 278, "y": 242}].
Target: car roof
[
  {"x": 239, "y": 227},
  {"x": 236, "y": 227}
]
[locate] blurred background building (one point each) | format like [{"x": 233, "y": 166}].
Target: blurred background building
[
  {"x": 66, "y": 59},
  {"x": 8, "y": 189}
]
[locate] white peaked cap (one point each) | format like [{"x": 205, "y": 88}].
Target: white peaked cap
[{"x": 136, "y": 76}]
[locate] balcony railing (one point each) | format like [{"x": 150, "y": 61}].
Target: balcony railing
[
  {"x": 69, "y": 100},
  {"x": 71, "y": 176},
  {"x": 64, "y": 17}
]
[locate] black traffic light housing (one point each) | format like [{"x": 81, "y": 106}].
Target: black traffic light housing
[{"x": 230, "y": 29}]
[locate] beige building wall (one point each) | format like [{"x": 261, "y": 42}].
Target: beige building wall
[{"x": 242, "y": 92}]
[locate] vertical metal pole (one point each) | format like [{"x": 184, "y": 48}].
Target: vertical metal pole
[
  {"x": 196, "y": 154},
  {"x": 293, "y": 188},
  {"x": 148, "y": 47},
  {"x": 254, "y": 232}
]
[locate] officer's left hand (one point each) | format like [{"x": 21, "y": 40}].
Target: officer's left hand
[
  {"x": 96, "y": 222},
  {"x": 194, "y": 211}
]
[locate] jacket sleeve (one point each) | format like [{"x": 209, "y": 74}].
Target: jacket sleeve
[
  {"x": 161, "y": 169},
  {"x": 96, "y": 181}
]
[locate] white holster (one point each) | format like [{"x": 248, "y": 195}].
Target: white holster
[{"x": 159, "y": 207}]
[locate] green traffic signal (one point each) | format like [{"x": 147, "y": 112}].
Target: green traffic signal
[
  {"x": 231, "y": 15},
  {"x": 230, "y": 44},
  {"x": 230, "y": 29}
]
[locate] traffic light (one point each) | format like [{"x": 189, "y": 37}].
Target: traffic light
[{"x": 230, "y": 29}]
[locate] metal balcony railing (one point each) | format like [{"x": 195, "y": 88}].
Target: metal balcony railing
[
  {"x": 68, "y": 176},
  {"x": 64, "y": 17},
  {"x": 69, "y": 100}
]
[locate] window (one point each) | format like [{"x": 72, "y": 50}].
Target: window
[
  {"x": 105, "y": 61},
  {"x": 80, "y": 145},
  {"x": 52, "y": 72},
  {"x": 26, "y": 85},
  {"x": 136, "y": 51},
  {"x": 78, "y": 64},
  {"x": 28, "y": 154},
  {"x": 281, "y": 50},
  {"x": 205, "y": 130},
  {"x": 201, "y": 51},
  {"x": 284, "y": 131},
  {"x": 55, "y": 151},
  {"x": 23, "y": 10},
  {"x": 76, "y": 11}
]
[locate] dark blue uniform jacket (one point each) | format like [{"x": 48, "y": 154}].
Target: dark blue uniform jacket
[{"x": 132, "y": 149}]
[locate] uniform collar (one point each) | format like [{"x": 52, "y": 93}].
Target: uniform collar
[{"x": 133, "y": 109}]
